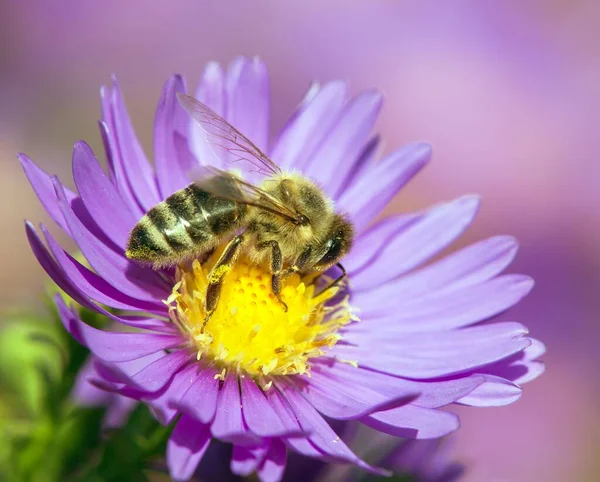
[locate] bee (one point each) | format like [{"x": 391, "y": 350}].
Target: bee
[{"x": 286, "y": 221}]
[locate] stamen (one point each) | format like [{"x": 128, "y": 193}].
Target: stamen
[{"x": 250, "y": 331}]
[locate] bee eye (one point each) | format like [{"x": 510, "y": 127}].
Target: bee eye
[{"x": 332, "y": 254}]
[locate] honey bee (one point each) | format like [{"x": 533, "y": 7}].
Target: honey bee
[{"x": 286, "y": 221}]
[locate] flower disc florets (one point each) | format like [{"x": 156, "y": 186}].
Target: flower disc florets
[{"x": 251, "y": 331}]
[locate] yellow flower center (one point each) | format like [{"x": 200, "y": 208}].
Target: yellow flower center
[{"x": 250, "y": 331}]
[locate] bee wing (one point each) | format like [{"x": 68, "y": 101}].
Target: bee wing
[
  {"x": 229, "y": 144},
  {"x": 227, "y": 185}
]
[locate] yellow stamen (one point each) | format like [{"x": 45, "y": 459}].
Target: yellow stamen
[{"x": 250, "y": 331}]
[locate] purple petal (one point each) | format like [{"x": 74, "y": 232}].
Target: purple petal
[
  {"x": 186, "y": 447},
  {"x": 114, "y": 158},
  {"x": 133, "y": 280},
  {"x": 469, "y": 266},
  {"x": 308, "y": 128},
  {"x": 85, "y": 393},
  {"x": 418, "y": 243},
  {"x": 245, "y": 460},
  {"x": 150, "y": 379},
  {"x": 211, "y": 92},
  {"x": 258, "y": 414},
  {"x": 300, "y": 444},
  {"x": 432, "y": 394},
  {"x": 163, "y": 404},
  {"x": 365, "y": 199},
  {"x": 42, "y": 184},
  {"x": 58, "y": 276},
  {"x": 93, "y": 286},
  {"x": 413, "y": 422},
  {"x": 170, "y": 119},
  {"x": 200, "y": 400},
  {"x": 342, "y": 401},
  {"x": 130, "y": 162},
  {"x": 332, "y": 162},
  {"x": 522, "y": 367},
  {"x": 273, "y": 465},
  {"x": 426, "y": 355},
  {"x": 364, "y": 162},
  {"x": 114, "y": 346},
  {"x": 247, "y": 89},
  {"x": 494, "y": 392},
  {"x": 102, "y": 201},
  {"x": 322, "y": 436},
  {"x": 367, "y": 247},
  {"x": 442, "y": 310},
  {"x": 228, "y": 424}
]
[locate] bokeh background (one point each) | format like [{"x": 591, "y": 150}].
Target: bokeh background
[{"x": 508, "y": 93}]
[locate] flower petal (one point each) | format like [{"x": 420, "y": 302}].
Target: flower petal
[
  {"x": 228, "y": 424},
  {"x": 102, "y": 201},
  {"x": 431, "y": 393},
  {"x": 258, "y": 414},
  {"x": 186, "y": 447},
  {"x": 41, "y": 182},
  {"x": 522, "y": 367},
  {"x": 245, "y": 460},
  {"x": 200, "y": 400},
  {"x": 300, "y": 444},
  {"x": 322, "y": 436},
  {"x": 423, "y": 355},
  {"x": 342, "y": 401},
  {"x": 92, "y": 285},
  {"x": 309, "y": 127},
  {"x": 442, "y": 310},
  {"x": 368, "y": 246},
  {"x": 163, "y": 403},
  {"x": 272, "y": 467},
  {"x": 333, "y": 161},
  {"x": 133, "y": 280},
  {"x": 494, "y": 392},
  {"x": 365, "y": 199},
  {"x": 211, "y": 92},
  {"x": 53, "y": 270},
  {"x": 247, "y": 89},
  {"x": 466, "y": 267},
  {"x": 114, "y": 346},
  {"x": 130, "y": 163},
  {"x": 419, "y": 242},
  {"x": 150, "y": 379},
  {"x": 170, "y": 119},
  {"x": 365, "y": 161},
  {"x": 113, "y": 157},
  {"x": 413, "y": 422}
]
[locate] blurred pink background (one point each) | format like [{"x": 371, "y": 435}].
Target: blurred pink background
[{"x": 508, "y": 93}]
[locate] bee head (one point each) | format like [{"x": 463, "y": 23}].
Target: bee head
[{"x": 337, "y": 243}]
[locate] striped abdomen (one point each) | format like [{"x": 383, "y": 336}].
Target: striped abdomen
[{"x": 189, "y": 222}]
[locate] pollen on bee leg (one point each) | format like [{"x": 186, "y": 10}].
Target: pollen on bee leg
[{"x": 248, "y": 331}]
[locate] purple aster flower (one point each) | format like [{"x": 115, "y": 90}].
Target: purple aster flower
[{"x": 255, "y": 375}]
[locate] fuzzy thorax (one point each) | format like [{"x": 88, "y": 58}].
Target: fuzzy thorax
[{"x": 250, "y": 331}]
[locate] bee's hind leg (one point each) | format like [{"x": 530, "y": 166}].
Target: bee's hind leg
[
  {"x": 217, "y": 274},
  {"x": 276, "y": 268}
]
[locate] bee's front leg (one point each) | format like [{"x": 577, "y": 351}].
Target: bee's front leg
[
  {"x": 276, "y": 268},
  {"x": 217, "y": 274},
  {"x": 300, "y": 262}
]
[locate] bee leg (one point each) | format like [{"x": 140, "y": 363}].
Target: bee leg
[
  {"x": 300, "y": 262},
  {"x": 338, "y": 279},
  {"x": 276, "y": 267},
  {"x": 216, "y": 275}
]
